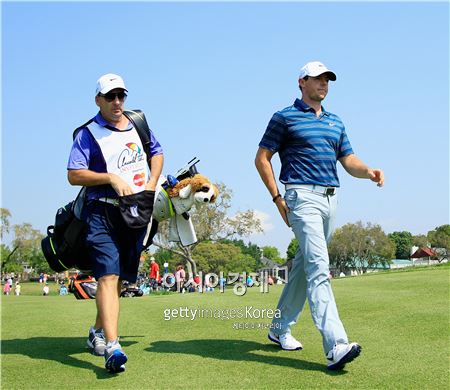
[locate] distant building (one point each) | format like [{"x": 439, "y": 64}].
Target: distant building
[
  {"x": 423, "y": 252},
  {"x": 275, "y": 270},
  {"x": 422, "y": 256}
]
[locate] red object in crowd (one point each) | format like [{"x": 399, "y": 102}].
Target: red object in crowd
[{"x": 154, "y": 269}]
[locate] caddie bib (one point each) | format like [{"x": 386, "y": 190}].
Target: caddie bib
[{"x": 123, "y": 154}]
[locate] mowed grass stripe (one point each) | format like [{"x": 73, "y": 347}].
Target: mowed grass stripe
[{"x": 401, "y": 319}]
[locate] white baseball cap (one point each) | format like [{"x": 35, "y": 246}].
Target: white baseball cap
[
  {"x": 109, "y": 82},
  {"x": 315, "y": 69}
]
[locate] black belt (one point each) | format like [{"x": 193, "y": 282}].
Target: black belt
[{"x": 328, "y": 191}]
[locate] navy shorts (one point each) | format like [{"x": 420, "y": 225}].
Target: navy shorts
[{"x": 114, "y": 248}]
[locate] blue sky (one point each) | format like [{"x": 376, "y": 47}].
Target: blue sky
[{"x": 210, "y": 75}]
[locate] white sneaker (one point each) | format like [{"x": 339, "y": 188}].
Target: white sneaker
[
  {"x": 115, "y": 358},
  {"x": 286, "y": 341},
  {"x": 341, "y": 354},
  {"x": 96, "y": 341}
]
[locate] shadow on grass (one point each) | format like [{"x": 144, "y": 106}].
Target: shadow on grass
[
  {"x": 238, "y": 350},
  {"x": 59, "y": 349}
]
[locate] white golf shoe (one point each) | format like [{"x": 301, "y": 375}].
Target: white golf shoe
[
  {"x": 286, "y": 341},
  {"x": 341, "y": 354}
]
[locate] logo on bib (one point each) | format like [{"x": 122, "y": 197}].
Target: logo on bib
[
  {"x": 139, "y": 179},
  {"x": 134, "y": 147},
  {"x": 130, "y": 156}
]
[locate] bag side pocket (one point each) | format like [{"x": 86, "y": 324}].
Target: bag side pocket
[{"x": 136, "y": 209}]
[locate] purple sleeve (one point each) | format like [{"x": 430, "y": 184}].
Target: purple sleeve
[
  {"x": 80, "y": 154},
  {"x": 155, "y": 147}
]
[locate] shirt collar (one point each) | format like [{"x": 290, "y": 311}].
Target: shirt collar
[
  {"x": 302, "y": 106},
  {"x": 102, "y": 122}
]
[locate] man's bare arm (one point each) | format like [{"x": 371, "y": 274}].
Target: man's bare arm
[{"x": 264, "y": 166}]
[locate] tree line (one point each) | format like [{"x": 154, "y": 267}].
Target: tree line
[
  {"x": 25, "y": 248},
  {"x": 363, "y": 246},
  {"x": 221, "y": 245}
]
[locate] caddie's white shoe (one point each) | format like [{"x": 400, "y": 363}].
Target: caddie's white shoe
[
  {"x": 115, "y": 358},
  {"x": 286, "y": 341},
  {"x": 341, "y": 354},
  {"x": 96, "y": 341}
]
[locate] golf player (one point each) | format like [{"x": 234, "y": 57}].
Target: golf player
[{"x": 310, "y": 141}]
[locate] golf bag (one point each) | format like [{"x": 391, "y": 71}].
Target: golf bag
[
  {"x": 83, "y": 286},
  {"x": 131, "y": 291},
  {"x": 64, "y": 246}
]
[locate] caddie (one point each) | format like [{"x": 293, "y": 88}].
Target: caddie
[{"x": 108, "y": 158}]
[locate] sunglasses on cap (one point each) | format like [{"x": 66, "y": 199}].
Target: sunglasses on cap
[{"x": 111, "y": 96}]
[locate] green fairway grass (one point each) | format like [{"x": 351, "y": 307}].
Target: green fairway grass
[{"x": 401, "y": 319}]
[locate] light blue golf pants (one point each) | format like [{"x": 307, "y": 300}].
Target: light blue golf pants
[{"x": 311, "y": 216}]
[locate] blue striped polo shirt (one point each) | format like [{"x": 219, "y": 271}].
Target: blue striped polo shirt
[{"x": 309, "y": 146}]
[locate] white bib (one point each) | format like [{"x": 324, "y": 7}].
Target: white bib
[{"x": 123, "y": 154}]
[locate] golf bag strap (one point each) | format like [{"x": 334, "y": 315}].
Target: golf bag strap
[
  {"x": 137, "y": 117},
  {"x": 77, "y": 130}
]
